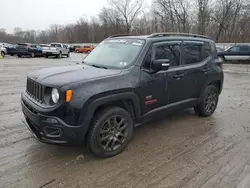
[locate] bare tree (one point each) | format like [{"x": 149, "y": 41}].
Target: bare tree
[
  {"x": 129, "y": 9},
  {"x": 203, "y": 16}
]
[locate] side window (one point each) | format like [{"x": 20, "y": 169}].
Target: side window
[
  {"x": 207, "y": 50},
  {"x": 234, "y": 49},
  {"x": 170, "y": 52},
  {"x": 33, "y": 46},
  {"x": 244, "y": 48},
  {"x": 192, "y": 53},
  {"x": 148, "y": 59},
  {"x": 64, "y": 46}
]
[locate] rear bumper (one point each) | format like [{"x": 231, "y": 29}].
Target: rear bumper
[
  {"x": 50, "y": 53},
  {"x": 50, "y": 129}
]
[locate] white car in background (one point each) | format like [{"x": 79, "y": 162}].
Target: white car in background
[
  {"x": 3, "y": 50},
  {"x": 56, "y": 49}
]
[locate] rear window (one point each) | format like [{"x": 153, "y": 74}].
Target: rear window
[
  {"x": 56, "y": 45},
  {"x": 22, "y": 46}
]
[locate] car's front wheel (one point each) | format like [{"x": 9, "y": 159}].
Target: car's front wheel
[
  {"x": 209, "y": 101},
  {"x": 110, "y": 132}
]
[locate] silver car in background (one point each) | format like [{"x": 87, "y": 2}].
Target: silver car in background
[{"x": 3, "y": 50}]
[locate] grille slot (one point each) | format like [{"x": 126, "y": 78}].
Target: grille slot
[{"x": 35, "y": 90}]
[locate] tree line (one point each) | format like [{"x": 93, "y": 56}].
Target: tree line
[{"x": 221, "y": 20}]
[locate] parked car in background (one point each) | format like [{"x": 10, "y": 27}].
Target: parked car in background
[
  {"x": 44, "y": 45},
  {"x": 56, "y": 49},
  {"x": 73, "y": 48},
  {"x": 236, "y": 53},
  {"x": 3, "y": 50},
  {"x": 11, "y": 49},
  {"x": 28, "y": 49},
  {"x": 85, "y": 49}
]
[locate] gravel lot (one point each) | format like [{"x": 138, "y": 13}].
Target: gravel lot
[{"x": 181, "y": 150}]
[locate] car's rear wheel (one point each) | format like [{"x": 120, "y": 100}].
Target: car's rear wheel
[
  {"x": 209, "y": 101},
  {"x": 19, "y": 55},
  {"x": 32, "y": 55},
  {"x": 110, "y": 132},
  {"x": 2, "y": 54},
  {"x": 68, "y": 55}
]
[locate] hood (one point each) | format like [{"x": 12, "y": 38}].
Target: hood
[{"x": 60, "y": 76}]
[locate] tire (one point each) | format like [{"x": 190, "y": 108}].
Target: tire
[
  {"x": 46, "y": 56},
  {"x": 32, "y": 55},
  {"x": 11, "y": 54},
  {"x": 88, "y": 52},
  {"x": 59, "y": 55},
  {"x": 2, "y": 54},
  {"x": 19, "y": 56},
  {"x": 103, "y": 144},
  {"x": 68, "y": 55},
  {"x": 209, "y": 102}
]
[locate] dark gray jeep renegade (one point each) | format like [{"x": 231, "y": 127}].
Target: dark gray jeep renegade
[{"x": 124, "y": 81}]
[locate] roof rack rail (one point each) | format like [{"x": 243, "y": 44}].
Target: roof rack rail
[
  {"x": 118, "y": 35},
  {"x": 176, "y": 34}
]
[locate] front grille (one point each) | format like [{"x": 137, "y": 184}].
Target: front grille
[{"x": 35, "y": 90}]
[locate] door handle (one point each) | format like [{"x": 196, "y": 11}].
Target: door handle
[
  {"x": 205, "y": 70},
  {"x": 179, "y": 76}
]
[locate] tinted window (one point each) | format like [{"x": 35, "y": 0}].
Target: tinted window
[
  {"x": 56, "y": 45},
  {"x": 192, "y": 53},
  {"x": 33, "y": 46},
  {"x": 22, "y": 46},
  {"x": 235, "y": 49},
  {"x": 244, "y": 48},
  {"x": 170, "y": 52}
]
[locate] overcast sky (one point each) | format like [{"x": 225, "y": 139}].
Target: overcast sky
[{"x": 40, "y": 14}]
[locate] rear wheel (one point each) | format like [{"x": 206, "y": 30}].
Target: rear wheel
[
  {"x": 19, "y": 55},
  {"x": 209, "y": 102},
  {"x": 68, "y": 55},
  {"x": 110, "y": 132},
  {"x": 2, "y": 54},
  {"x": 32, "y": 55}
]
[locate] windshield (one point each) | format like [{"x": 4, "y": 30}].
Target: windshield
[{"x": 116, "y": 53}]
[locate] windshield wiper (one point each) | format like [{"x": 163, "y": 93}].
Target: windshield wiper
[{"x": 99, "y": 66}]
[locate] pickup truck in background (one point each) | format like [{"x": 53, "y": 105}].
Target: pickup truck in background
[
  {"x": 56, "y": 49},
  {"x": 236, "y": 53}
]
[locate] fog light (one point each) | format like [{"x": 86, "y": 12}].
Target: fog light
[{"x": 50, "y": 120}]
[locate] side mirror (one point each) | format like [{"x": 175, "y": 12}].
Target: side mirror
[{"x": 160, "y": 64}]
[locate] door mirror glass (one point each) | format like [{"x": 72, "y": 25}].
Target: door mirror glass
[{"x": 160, "y": 64}]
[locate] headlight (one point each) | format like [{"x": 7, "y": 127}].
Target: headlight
[{"x": 55, "y": 95}]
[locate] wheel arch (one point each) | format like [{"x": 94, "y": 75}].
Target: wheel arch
[{"x": 129, "y": 101}]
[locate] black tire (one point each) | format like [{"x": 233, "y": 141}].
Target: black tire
[
  {"x": 59, "y": 55},
  {"x": 19, "y": 55},
  {"x": 46, "y": 56},
  {"x": 32, "y": 55},
  {"x": 2, "y": 54},
  {"x": 11, "y": 54},
  {"x": 112, "y": 136},
  {"x": 209, "y": 101},
  {"x": 68, "y": 55}
]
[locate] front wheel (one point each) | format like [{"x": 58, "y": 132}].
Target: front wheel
[
  {"x": 110, "y": 132},
  {"x": 32, "y": 55},
  {"x": 59, "y": 55},
  {"x": 68, "y": 55},
  {"x": 209, "y": 102}
]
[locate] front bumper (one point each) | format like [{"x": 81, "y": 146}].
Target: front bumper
[{"x": 50, "y": 129}]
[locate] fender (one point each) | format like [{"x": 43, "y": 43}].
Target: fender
[{"x": 85, "y": 118}]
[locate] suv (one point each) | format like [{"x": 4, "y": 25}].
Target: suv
[
  {"x": 85, "y": 49},
  {"x": 125, "y": 81},
  {"x": 56, "y": 49},
  {"x": 26, "y": 49},
  {"x": 236, "y": 53}
]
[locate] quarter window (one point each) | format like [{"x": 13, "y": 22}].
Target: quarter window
[
  {"x": 234, "y": 49},
  {"x": 170, "y": 52}
]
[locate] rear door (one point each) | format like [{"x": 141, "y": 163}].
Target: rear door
[{"x": 186, "y": 81}]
